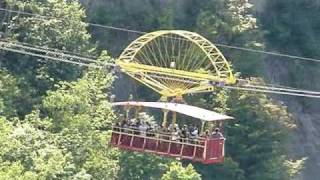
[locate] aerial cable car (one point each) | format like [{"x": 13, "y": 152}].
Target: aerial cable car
[
  {"x": 205, "y": 146},
  {"x": 174, "y": 63}
]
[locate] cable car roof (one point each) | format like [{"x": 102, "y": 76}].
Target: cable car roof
[{"x": 185, "y": 109}]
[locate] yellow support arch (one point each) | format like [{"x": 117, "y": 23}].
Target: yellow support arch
[{"x": 175, "y": 62}]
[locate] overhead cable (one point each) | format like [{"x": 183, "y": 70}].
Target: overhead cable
[
  {"x": 62, "y": 57},
  {"x": 272, "y": 91},
  {"x": 53, "y": 55},
  {"x": 51, "y": 49},
  {"x": 255, "y": 88},
  {"x": 142, "y": 32}
]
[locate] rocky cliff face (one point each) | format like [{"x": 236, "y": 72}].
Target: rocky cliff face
[
  {"x": 306, "y": 140},
  {"x": 308, "y": 144}
]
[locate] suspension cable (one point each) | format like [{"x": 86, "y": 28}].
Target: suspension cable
[
  {"x": 51, "y": 49},
  {"x": 53, "y": 55},
  {"x": 273, "y": 91},
  {"x": 59, "y": 55},
  {"x": 249, "y": 87},
  {"x": 280, "y": 89},
  {"x": 62, "y": 57},
  {"x": 142, "y": 32}
]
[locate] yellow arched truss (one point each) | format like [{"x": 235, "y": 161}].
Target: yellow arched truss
[{"x": 175, "y": 62}]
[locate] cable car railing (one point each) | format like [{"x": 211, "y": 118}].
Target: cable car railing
[
  {"x": 163, "y": 136},
  {"x": 204, "y": 149}
]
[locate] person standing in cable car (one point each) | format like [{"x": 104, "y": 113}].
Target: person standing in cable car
[
  {"x": 217, "y": 133},
  {"x": 175, "y": 134},
  {"x": 184, "y": 133}
]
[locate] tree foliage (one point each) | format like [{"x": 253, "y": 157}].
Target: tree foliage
[
  {"x": 262, "y": 126},
  {"x": 256, "y": 138},
  {"x": 55, "y": 118},
  {"x": 9, "y": 94},
  {"x": 67, "y": 138},
  {"x": 141, "y": 166},
  {"x": 63, "y": 29},
  {"x": 178, "y": 172}
]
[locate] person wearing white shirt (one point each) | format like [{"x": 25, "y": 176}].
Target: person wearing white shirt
[{"x": 175, "y": 135}]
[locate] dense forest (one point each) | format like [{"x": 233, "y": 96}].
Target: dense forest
[{"x": 55, "y": 117}]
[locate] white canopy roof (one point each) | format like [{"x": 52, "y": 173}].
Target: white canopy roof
[{"x": 188, "y": 110}]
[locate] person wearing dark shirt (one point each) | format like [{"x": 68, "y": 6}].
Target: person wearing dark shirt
[{"x": 183, "y": 133}]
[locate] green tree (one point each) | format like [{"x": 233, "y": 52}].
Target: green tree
[
  {"x": 229, "y": 169},
  {"x": 256, "y": 139},
  {"x": 68, "y": 138},
  {"x": 232, "y": 22},
  {"x": 262, "y": 127},
  {"x": 81, "y": 114},
  {"x": 141, "y": 166},
  {"x": 15, "y": 171},
  {"x": 9, "y": 94},
  {"x": 142, "y": 15},
  {"x": 31, "y": 152},
  {"x": 177, "y": 172},
  {"x": 63, "y": 29}
]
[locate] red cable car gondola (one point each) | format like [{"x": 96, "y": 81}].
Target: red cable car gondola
[{"x": 206, "y": 149}]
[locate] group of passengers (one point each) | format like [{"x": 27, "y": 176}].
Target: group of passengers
[
  {"x": 136, "y": 127},
  {"x": 172, "y": 132}
]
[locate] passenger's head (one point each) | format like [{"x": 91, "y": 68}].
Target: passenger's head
[{"x": 216, "y": 129}]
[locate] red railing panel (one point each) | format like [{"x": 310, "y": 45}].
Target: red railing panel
[
  {"x": 163, "y": 147},
  {"x": 214, "y": 152},
  {"x": 175, "y": 148},
  {"x": 125, "y": 140},
  {"x": 199, "y": 152},
  {"x": 138, "y": 142},
  {"x": 151, "y": 144},
  {"x": 188, "y": 150}
]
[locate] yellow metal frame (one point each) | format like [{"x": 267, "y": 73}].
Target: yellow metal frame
[{"x": 146, "y": 73}]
